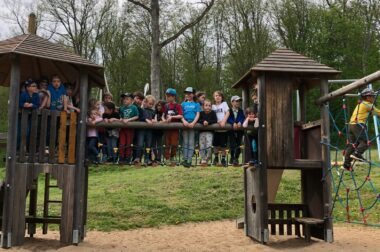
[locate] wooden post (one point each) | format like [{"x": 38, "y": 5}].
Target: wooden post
[
  {"x": 80, "y": 175},
  {"x": 256, "y": 185},
  {"x": 11, "y": 216},
  {"x": 325, "y": 137},
  {"x": 245, "y": 97},
  {"x": 262, "y": 171}
]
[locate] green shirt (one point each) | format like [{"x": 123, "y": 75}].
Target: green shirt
[{"x": 127, "y": 112}]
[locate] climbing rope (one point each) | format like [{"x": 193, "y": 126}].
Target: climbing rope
[{"x": 355, "y": 194}]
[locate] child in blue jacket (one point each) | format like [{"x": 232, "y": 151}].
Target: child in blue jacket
[{"x": 236, "y": 119}]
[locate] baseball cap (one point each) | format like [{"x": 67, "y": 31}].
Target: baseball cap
[
  {"x": 126, "y": 95},
  {"x": 171, "y": 91},
  {"x": 27, "y": 83},
  {"x": 235, "y": 98},
  {"x": 190, "y": 90}
]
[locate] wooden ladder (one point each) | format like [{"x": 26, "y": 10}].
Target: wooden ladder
[{"x": 47, "y": 202}]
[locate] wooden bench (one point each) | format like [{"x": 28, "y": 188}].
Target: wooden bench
[{"x": 307, "y": 223}]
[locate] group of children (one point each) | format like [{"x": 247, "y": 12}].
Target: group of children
[
  {"x": 153, "y": 146},
  {"x": 54, "y": 96}
]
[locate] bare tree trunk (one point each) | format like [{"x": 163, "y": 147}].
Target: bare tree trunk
[
  {"x": 154, "y": 10},
  {"x": 155, "y": 66}
]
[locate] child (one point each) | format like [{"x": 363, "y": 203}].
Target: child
[
  {"x": 252, "y": 120},
  {"x": 191, "y": 110},
  {"x": 172, "y": 113},
  {"x": 69, "y": 97},
  {"x": 201, "y": 97},
  {"x": 94, "y": 104},
  {"x": 236, "y": 119},
  {"x": 57, "y": 94},
  {"x": 29, "y": 98},
  {"x": 358, "y": 135},
  {"x": 128, "y": 113},
  {"x": 220, "y": 136},
  {"x": 92, "y": 136},
  {"x": 44, "y": 94},
  {"x": 111, "y": 135},
  {"x": 207, "y": 117},
  {"x": 138, "y": 99},
  {"x": 107, "y": 97},
  {"x": 157, "y": 134},
  {"x": 145, "y": 136}
]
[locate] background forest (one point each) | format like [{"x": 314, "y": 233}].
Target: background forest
[{"x": 232, "y": 37}]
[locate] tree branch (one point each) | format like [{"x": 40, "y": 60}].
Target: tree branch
[
  {"x": 189, "y": 25},
  {"x": 141, "y": 5}
]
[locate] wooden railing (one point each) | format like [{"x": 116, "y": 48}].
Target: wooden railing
[{"x": 47, "y": 136}]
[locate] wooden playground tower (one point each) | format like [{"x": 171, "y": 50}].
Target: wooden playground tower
[
  {"x": 51, "y": 142},
  {"x": 285, "y": 143}
]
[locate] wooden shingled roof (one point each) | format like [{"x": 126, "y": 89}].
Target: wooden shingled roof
[
  {"x": 287, "y": 61},
  {"x": 39, "y": 56}
]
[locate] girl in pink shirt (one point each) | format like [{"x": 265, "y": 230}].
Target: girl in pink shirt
[{"x": 92, "y": 136}]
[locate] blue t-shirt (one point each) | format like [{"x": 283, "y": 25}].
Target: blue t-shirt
[
  {"x": 190, "y": 110},
  {"x": 56, "y": 97}
]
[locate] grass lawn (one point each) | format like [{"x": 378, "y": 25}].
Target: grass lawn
[{"x": 130, "y": 197}]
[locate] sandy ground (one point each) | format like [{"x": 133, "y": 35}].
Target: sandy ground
[{"x": 212, "y": 236}]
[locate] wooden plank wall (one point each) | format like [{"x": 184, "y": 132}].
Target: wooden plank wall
[
  {"x": 47, "y": 136},
  {"x": 279, "y": 128}
]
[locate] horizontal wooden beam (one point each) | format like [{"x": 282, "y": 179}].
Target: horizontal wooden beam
[
  {"x": 344, "y": 90},
  {"x": 165, "y": 126}
]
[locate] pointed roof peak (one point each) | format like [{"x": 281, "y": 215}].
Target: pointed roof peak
[{"x": 286, "y": 60}]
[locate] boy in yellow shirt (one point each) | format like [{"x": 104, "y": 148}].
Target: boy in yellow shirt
[{"x": 357, "y": 135}]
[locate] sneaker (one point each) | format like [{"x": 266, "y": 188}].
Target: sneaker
[
  {"x": 216, "y": 161},
  {"x": 347, "y": 166},
  {"x": 187, "y": 164},
  {"x": 224, "y": 162},
  {"x": 232, "y": 161},
  {"x": 184, "y": 163},
  {"x": 203, "y": 163},
  {"x": 235, "y": 163}
]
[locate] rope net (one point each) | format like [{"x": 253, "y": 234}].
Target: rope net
[{"x": 356, "y": 198}]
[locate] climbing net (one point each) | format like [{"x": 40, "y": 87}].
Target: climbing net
[{"x": 355, "y": 196}]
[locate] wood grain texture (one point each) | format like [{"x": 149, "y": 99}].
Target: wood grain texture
[
  {"x": 62, "y": 138},
  {"x": 72, "y": 138}
]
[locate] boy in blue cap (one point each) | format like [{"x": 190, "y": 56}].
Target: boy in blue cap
[{"x": 172, "y": 113}]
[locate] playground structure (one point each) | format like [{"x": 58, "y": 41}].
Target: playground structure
[
  {"x": 286, "y": 144},
  {"x": 56, "y": 141}
]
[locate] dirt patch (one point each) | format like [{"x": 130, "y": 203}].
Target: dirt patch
[{"x": 211, "y": 236}]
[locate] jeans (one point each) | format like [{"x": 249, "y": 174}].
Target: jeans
[
  {"x": 157, "y": 144},
  {"x": 92, "y": 148},
  {"x": 111, "y": 147},
  {"x": 144, "y": 141},
  {"x": 357, "y": 136},
  {"x": 235, "y": 138},
  {"x": 188, "y": 144},
  {"x": 205, "y": 144}
]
